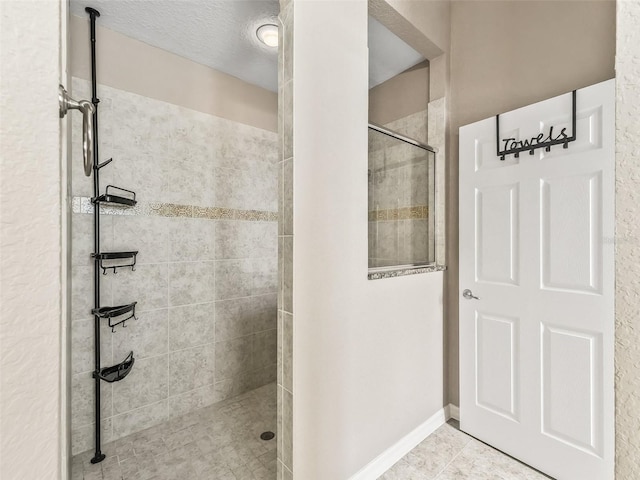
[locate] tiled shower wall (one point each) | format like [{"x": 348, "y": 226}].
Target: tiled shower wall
[
  {"x": 206, "y": 276},
  {"x": 285, "y": 244},
  {"x": 413, "y": 126}
]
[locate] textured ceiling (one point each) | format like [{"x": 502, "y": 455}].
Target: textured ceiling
[{"x": 221, "y": 34}]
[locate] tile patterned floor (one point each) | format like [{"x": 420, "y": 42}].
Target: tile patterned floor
[
  {"x": 449, "y": 454},
  {"x": 220, "y": 442}
]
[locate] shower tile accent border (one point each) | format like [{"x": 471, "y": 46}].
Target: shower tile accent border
[
  {"x": 415, "y": 212},
  {"x": 402, "y": 272},
  {"x": 84, "y": 205}
]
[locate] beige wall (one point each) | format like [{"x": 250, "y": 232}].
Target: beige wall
[
  {"x": 627, "y": 241},
  {"x": 31, "y": 203},
  {"x": 505, "y": 55},
  {"x": 137, "y": 67},
  {"x": 403, "y": 95}
]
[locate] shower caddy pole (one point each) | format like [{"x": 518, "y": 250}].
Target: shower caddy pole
[
  {"x": 99, "y": 456},
  {"x": 118, "y": 197}
]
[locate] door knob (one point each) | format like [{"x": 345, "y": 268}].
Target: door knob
[{"x": 468, "y": 294}]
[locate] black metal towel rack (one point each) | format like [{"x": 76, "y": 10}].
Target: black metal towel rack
[
  {"x": 539, "y": 141},
  {"x": 116, "y": 315}
]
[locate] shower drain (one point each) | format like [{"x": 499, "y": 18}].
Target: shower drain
[{"x": 267, "y": 435}]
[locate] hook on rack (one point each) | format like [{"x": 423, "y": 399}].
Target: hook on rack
[{"x": 103, "y": 164}]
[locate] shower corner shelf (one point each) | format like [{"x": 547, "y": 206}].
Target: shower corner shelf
[
  {"x": 117, "y": 372},
  {"x": 118, "y": 311},
  {"x": 121, "y": 197},
  {"x": 101, "y": 257}
]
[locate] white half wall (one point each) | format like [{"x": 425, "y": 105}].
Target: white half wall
[
  {"x": 30, "y": 241},
  {"x": 368, "y": 354}
]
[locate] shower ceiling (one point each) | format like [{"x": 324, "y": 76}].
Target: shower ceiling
[{"x": 222, "y": 35}]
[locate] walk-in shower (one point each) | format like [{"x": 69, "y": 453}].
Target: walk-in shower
[{"x": 174, "y": 255}]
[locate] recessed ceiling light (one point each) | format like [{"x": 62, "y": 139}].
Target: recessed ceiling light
[{"x": 268, "y": 34}]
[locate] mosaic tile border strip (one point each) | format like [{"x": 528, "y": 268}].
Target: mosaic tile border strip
[
  {"x": 84, "y": 205},
  {"x": 402, "y": 272},
  {"x": 417, "y": 212}
]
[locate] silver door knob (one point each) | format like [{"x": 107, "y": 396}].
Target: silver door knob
[{"x": 468, "y": 294}]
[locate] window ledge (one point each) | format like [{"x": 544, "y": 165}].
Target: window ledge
[{"x": 377, "y": 274}]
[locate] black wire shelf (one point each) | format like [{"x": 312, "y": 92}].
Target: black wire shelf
[
  {"x": 115, "y": 256},
  {"x": 114, "y": 314},
  {"x": 117, "y": 196},
  {"x": 117, "y": 372}
]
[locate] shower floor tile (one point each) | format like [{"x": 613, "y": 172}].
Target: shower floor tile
[
  {"x": 449, "y": 454},
  {"x": 220, "y": 442}
]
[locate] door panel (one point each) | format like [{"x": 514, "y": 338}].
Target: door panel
[
  {"x": 497, "y": 234},
  {"x": 536, "y": 346},
  {"x": 497, "y": 364},
  {"x": 571, "y": 232},
  {"x": 589, "y": 123},
  {"x": 571, "y": 387}
]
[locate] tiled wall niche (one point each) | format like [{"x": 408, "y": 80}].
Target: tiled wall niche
[{"x": 206, "y": 279}]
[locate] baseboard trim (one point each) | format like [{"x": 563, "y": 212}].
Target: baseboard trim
[
  {"x": 453, "y": 411},
  {"x": 389, "y": 457}
]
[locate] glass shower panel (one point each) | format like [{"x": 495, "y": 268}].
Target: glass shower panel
[{"x": 401, "y": 201}]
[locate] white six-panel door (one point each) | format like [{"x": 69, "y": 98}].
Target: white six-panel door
[{"x": 536, "y": 248}]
